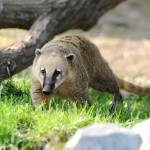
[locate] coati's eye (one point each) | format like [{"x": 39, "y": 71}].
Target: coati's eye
[
  {"x": 43, "y": 70},
  {"x": 57, "y": 72}
]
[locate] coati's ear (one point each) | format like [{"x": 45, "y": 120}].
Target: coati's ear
[
  {"x": 38, "y": 52},
  {"x": 70, "y": 58}
]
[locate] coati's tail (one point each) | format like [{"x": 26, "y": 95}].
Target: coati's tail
[{"x": 132, "y": 88}]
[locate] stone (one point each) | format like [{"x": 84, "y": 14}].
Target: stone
[
  {"x": 104, "y": 137},
  {"x": 143, "y": 129}
]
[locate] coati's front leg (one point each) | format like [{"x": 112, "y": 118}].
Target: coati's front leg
[{"x": 37, "y": 95}]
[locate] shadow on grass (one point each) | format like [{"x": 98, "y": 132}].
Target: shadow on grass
[{"x": 11, "y": 92}]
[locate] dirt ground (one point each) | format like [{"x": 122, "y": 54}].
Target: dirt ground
[{"x": 122, "y": 35}]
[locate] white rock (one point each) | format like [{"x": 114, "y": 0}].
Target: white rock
[
  {"x": 104, "y": 137},
  {"x": 143, "y": 128}
]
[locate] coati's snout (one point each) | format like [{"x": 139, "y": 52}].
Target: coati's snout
[
  {"x": 48, "y": 89},
  {"x": 49, "y": 83}
]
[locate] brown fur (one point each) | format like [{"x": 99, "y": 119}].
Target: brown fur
[
  {"x": 89, "y": 69},
  {"x": 132, "y": 88}
]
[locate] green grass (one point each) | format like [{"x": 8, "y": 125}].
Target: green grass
[{"x": 24, "y": 127}]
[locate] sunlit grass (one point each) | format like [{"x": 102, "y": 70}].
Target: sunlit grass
[{"x": 26, "y": 127}]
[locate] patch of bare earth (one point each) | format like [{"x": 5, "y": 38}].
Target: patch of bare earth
[{"x": 128, "y": 59}]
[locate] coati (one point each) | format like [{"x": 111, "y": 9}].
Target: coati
[{"x": 68, "y": 66}]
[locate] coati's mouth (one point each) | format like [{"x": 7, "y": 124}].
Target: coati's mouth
[{"x": 48, "y": 89}]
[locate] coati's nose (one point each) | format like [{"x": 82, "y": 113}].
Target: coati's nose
[{"x": 46, "y": 92}]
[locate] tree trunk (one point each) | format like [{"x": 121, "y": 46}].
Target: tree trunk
[{"x": 44, "y": 19}]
